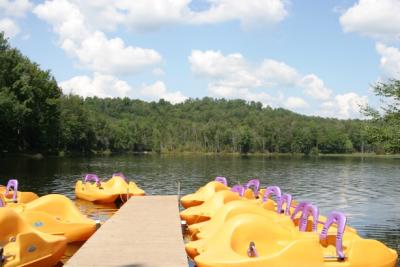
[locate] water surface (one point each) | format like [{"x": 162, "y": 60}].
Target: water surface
[{"x": 367, "y": 190}]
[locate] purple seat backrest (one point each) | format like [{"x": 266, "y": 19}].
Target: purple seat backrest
[
  {"x": 340, "y": 219},
  {"x": 238, "y": 189},
  {"x": 92, "y": 177},
  {"x": 287, "y": 198},
  {"x": 255, "y": 183},
  {"x": 277, "y": 192},
  {"x": 12, "y": 183},
  {"x": 120, "y": 174},
  {"x": 308, "y": 210},
  {"x": 299, "y": 208},
  {"x": 222, "y": 180}
]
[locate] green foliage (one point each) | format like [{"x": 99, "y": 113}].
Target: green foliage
[
  {"x": 76, "y": 127},
  {"x": 28, "y": 103},
  {"x": 206, "y": 125},
  {"x": 384, "y": 129}
]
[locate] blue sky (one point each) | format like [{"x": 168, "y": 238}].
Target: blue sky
[{"x": 312, "y": 57}]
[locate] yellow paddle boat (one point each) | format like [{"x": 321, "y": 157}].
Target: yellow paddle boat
[
  {"x": 24, "y": 246},
  {"x": 12, "y": 195},
  {"x": 118, "y": 187},
  {"x": 205, "y": 230},
  {"x": 57, "y": 214},
  {"x": 204, "y": 193},
  {"x": 205, "y": 211},
  {"x": 252, "y": 189},
  {"x": 220, "y": 183},
  {"x": 209, "y": 228},
  {"x": 286, "y": 205},
  {"x": 249, "y": 240}
]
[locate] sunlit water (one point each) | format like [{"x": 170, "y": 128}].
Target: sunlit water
[{"x": 367, "y": 190}]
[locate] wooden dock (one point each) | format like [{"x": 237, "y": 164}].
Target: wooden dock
[{"x": 145, "y": 232}]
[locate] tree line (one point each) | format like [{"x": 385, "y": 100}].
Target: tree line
[{"x": 35, "y": 116}]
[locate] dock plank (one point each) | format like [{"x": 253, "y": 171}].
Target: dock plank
[{"x": 145, "y": 232}]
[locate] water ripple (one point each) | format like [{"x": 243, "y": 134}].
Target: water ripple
[{"x": 366, "y": 190}]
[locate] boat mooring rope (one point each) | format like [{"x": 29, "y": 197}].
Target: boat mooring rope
[{"x": 127, "y": 196}]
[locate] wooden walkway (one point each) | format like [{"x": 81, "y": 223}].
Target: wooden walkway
[{"x": 145, "y": 232}]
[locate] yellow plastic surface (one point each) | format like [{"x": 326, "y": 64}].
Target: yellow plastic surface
[
  {"x": 206, "y": 210},
  {"x": 281, "y": 244},
  {"x": 202, "y": 194},
  {"x": 24, "y": 246},
  {"x": 109, "y": 191},
  {"x": 233, "y": 208},
  {"x": 22, "y": 197},
  {"x": 57, "y": 214}
]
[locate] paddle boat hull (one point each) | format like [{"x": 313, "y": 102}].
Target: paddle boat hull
[
  {"x": 249, "y": 240},
  {"x": 116, "y": 188},
  {"x": 205, "y": 211},
  {"x": 57, "y": 214},
  {"x": 12, "y": 195},
  {"x": 25, "y": 246},
  {"x": 203, "y": 194}
]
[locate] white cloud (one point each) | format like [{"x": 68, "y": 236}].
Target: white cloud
[
  {"x": 315, "y": 87},
  {"x": 390, "y": 60},
  {"x": 375, "y": 18},
  {"x": 231, "y": 70},
  {"x": 215, "y": 64},
  {"x": 231, "y": 76},
  {"x": 344, "y": 106},
  {"x": 380, "y": 20},
  {"x": 149, "y": 15},
  {"x": 107, "y": 57},
  {"x": 9, "y": 27},
  {"x": 100, "y": 85},
  {"x": 296, "y": 103},
  {"x": 66, "y": 19},
  {"x": 228, "y": 74},
  {"x": 111, "y": 56},
  {"x": 158, "y": 90},
  {"x": 139, "y": 15},
  {"x": 9, "y": 10},
  {"x": 91, "y": 47},
  {"x": 278, "y": 73},
  {"x": 15, "y": 8},
  {"x": 250, "y": 13}
]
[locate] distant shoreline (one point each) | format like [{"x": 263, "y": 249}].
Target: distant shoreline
[{"x": 39, "y": 156}]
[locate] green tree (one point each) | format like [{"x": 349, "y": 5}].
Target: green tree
[
  {"x": 76, "y": 127},
  {"x": 29, "y": 101},
  {"x": 384, "y": 129}
]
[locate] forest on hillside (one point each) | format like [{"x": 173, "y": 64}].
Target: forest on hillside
[{"x": 36, "y": 117}]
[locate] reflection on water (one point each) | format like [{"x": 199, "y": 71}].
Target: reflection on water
[
  {"x": 72, "y": 248},
  {"x": 99, "y": 212},
  {"x": 366, "y": 190}
]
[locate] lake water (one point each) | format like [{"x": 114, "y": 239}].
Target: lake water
[{"x": 367, "y": 190}]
